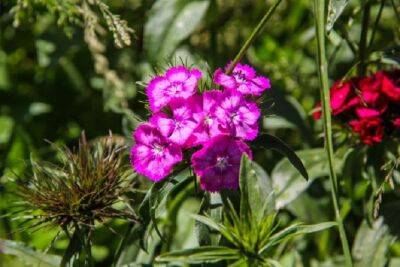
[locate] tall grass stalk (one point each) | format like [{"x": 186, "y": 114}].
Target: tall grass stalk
[
  {"x": 252, "y": 36},
  {"x": 319, "y": 14}
]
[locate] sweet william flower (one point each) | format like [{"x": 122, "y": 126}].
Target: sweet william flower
[
  {"x": 179, "y": 125},
  {"x": 207, "y": 120},
  {"x": 153, "y": 155},
  {"x": 373, "y": 102},
  {"x": 237, "y": 116},
  {"x": 391, "y": 85},
  {"x": 217, "y": 163},
  {"x": 343, "y": 98},
  {"x": 243, "y": 79},
  {"x": 371, "y": 130},
  {"x": 178, "y": 82}
]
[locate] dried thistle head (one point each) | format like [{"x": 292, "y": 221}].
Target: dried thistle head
[{"x": 79, "y": 190}]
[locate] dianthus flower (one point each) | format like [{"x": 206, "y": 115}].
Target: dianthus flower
[
  {"x": 218, "y": 163},
  {"x": 343, "y": 98},
  {"x": 179, "y": 125},
  {"x": 243, "y": 79},
  {"x": 208, "y": 122},
  {"x": 178, "y": 82},
  {"x": 370, "y": 130},
  {"x": 370, "y": 105},
  {"x": 237, "y": 116},
  {"x": 373, "y": 101},
  {"x": 391, "y": 85},
  {"x": 153, "y": 155}
]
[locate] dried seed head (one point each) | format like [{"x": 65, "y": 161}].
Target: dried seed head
[{"x": 81, "y": 188}]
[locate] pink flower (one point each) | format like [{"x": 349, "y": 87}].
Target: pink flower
[
  {"x": 208, "y": 122},
  {"x": 152, "y": 155},
  {"x": 218, "y": 163},
  {"x": 178, "y": 126},
  {"x": 243, "y": 79},
  {"x": 178, "y": 82},
  {"x": 237, "y": 116},
  {"x": 370, "y": 130}
]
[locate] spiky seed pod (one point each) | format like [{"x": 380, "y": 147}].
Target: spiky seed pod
[{"x": 82, "y": 188}]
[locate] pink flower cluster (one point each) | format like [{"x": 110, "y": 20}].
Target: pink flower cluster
[
  {"x": 216, "y": 123},
  {"x": 369, "y": 105}
]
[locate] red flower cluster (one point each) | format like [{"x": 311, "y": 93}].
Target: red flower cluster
[{"x": 369, "y": 105}]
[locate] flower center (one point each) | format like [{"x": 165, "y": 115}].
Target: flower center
[
  {"x": 208, "y": 121},
  {"x": 240, "y": 77},
  {"x": 222, "y": 162},
  {"x": 175, "y": 87},
  {"x": 157, "y": 149}
]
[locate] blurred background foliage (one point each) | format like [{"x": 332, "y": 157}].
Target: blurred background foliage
[{"x": 69, "y": 66}]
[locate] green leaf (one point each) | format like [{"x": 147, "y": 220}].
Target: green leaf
[
  {"x": 273, "y": 142},
  {"x": 289, "y": 184},
  {"x": 292, "y": 230},
  {"x": 371, "y": 244},
  {"x": 256, "y": 193},
  {"x": 277, "y": 122},
  {"x": 312, "y": 228},
  {"x": 28, "y": 255},
  {"x": 6, "y": 126},
  {"x": 169, "y": 23},
  {"x": 335, "y": 9},
  {"x": 207, "y": 254},
  {"x": 218, "y": 227}
]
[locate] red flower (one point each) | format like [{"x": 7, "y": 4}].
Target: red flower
[
  {"x": 373, "y": 101},
  {"x": 396, "y": 123},
  {"x": 391, "y": 85},
  {"x": 370, "y": 130},
  {"x": 343, "y": 98}
]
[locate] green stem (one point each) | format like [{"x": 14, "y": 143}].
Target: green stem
[
  {"x": 319, "y": 10},
  {"x": 363, "y": 53},
  {"x": 395, "y": 10},
  {"x": 253, "y": 35},
  {"x": 378, "y": 17}
]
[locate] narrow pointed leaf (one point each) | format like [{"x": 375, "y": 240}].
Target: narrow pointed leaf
[
  {"x": 273, "y": 142},
  {"x": 206, "y": 254}
]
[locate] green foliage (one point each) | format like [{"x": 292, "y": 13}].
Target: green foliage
[
  {"x": 74, "y": 65},
  {"x": 171, "y": 21},
  {"x": 251, "y": 233},
  {"x": 28, "y": 255}
]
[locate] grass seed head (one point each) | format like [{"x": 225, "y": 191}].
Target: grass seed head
[{"x": 82, "y": 188}]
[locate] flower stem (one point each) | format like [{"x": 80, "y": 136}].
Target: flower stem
[
  {"x": 363, "y": 52},
  {"x": 253, "y": 35},
  {"x": 319, "y": 10}
]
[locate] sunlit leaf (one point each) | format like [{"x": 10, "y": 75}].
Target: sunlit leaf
[
  {"x": 371, "y": 244},
  {"x": 287, "y": 181},
  {"x": 257, "y": 196},
  {"x": 207, "y": 254},
  {"x": 335, "y": 9},
  {"x": 169, "y": 23},
  {"x": 28, "y": 255}
]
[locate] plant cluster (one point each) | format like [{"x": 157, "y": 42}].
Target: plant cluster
[
  {"x": 197, "y": 177},
  {"x": 217, "y": 121},
  {"x": 370, "y": 105}
]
